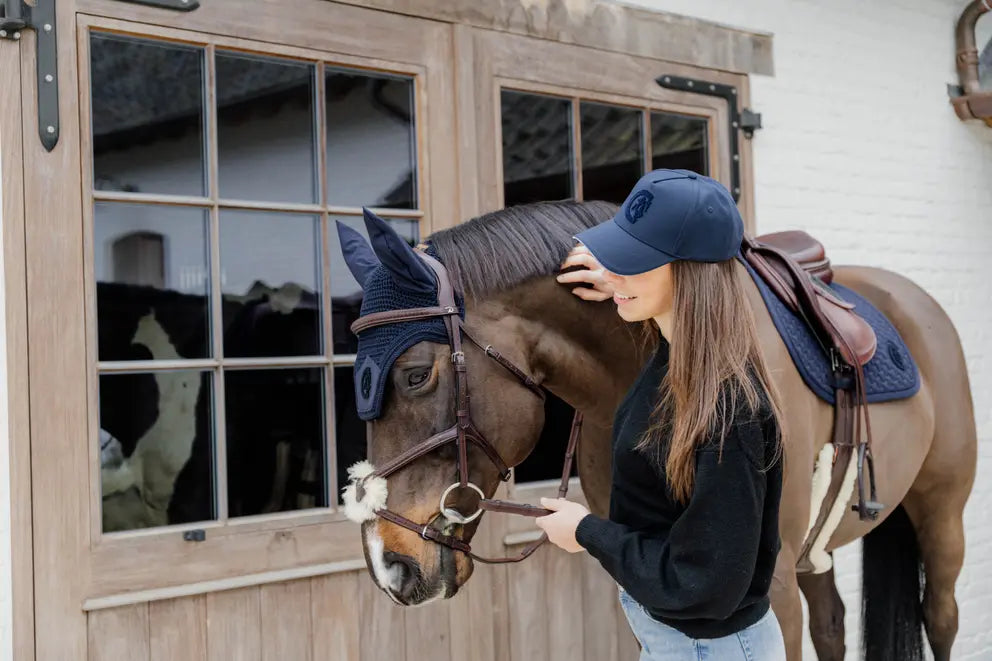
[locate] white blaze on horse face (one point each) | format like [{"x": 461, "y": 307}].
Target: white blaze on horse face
[{"x": 386, "y": 578}]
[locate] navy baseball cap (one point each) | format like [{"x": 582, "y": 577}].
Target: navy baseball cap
[{"x": 670, "y": 215}]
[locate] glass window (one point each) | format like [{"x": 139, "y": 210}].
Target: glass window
[
  {"x": 148, "y": 116},
  {"x": 371, "y": 138},
  {"x": 266, "y": 129},
  {"x": 537, "y": 148},
  {"x": 211, "y": 312},
  {"x": 156, "y": 444},
  {"x": 612, "y": 151},
  {"x": 151, "y": 261},
  {"x": 678, "y": 141},
  {"x": 271, "y": 281}
]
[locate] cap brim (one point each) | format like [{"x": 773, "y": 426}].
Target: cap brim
[{"x": 621, "y": 253}]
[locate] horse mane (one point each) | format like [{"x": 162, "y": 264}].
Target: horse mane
[{"x": 501, "y": 249}]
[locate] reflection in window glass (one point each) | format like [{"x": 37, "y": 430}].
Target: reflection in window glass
[
  {"x": 612, "y": 157},
  {"x": 537, "y": 148},
  {"x": 156, "y": 447},
  {"x": 270, "y": 275},
  {"x": 147, "y": 116},
  {"x": 346, "y": 292},
  {"x": 371, "y": 138},
  {"x": 266, "y": 137},
  {"x": 151, "y": 266},
  {"x": 678, "y": 141},
  {"x": 275, "y": 440},
  {"x": 349, "y": 428}
]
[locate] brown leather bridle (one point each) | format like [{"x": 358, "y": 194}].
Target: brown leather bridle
[{"x": 463, "y": 431}]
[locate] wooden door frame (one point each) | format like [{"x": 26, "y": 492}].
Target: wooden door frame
[
  {"x": 48, "y": 266},
  {"x": 12, "y": 136}
]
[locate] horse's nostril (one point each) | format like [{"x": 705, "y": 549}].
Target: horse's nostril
[{"x": 407, "y": 573}]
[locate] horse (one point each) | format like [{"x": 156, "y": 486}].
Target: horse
[{"x": 502, "y": 265}]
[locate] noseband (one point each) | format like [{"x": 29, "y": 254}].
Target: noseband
[{"x": 463, "y": 431}]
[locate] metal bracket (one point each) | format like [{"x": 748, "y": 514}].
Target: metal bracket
[
  {"x": 178, "y": 5},
  {"x": 17, "y": 16},
  {"x": 740, "y": 120}
]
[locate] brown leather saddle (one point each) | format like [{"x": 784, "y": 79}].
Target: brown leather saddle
[{"x": 795, "y": 266}]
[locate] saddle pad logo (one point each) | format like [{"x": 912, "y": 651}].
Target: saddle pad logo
[{"x": 639, "y": 205}]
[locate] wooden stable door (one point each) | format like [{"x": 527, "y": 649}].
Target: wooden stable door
[{"x": 179, "y": 309}]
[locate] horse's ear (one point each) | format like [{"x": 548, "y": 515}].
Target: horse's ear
[
  {"x": 409, "y": 271},
  {"x": 357, "y": 252}
]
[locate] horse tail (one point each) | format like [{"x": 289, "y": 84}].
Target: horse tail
[{"x": 892, "y": 584}]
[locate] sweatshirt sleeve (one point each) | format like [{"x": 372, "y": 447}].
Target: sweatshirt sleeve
[{"x": 703, "y": 567}]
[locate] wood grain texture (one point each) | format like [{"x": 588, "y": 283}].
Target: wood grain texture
[
  {"x": 428, "y": 631},
  {"x": 564, "y": 605},
  {"x": 528, "y": 607},
  {"x": 234, "y": 625},
  {"x": 178, "y": 629},
  {"x": 599, "y": 601},
  {"x": 382, "y": 634},
  {"x": 119, "y": 633},
  {"x": 58, "y": 357},
  {"x": 285, "y": 619},
  {"x": 334, "y": 616},
  {"x": 17, "y": 433}
]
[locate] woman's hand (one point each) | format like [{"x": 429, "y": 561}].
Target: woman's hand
[
  {"x": 592, "y": 274},
  {"x": 560, "y": 526}
]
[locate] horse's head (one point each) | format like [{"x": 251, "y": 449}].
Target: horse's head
[{"x": 406, "y": 386}]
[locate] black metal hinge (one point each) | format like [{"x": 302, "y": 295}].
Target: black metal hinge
[
  {"x": 180, "y": 5},
  {"x": 740, "y": 120},
  {"x": 17, "y": 16}
]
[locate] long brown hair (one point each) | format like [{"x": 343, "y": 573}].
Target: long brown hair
[{"x": 715, "y": 358}]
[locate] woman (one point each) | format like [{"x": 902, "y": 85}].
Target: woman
[{"x": 692, "y": 535}]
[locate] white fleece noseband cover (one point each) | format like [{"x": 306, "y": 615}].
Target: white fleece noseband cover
[{"x": 365, "y": 495}]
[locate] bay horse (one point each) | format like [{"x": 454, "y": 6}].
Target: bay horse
[{"x": 503, "y": 264}]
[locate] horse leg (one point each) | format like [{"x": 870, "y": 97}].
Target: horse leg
[
  {"x": 826, "y": 614},
  {"x": 938, "y": 520},
  {"x": 787, "y": 605}
]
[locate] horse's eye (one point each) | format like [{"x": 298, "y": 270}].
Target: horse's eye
[{"x": 417, "y": 378}]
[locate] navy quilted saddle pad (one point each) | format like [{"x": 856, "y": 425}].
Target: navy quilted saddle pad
[{"x": 890, "y": 374}]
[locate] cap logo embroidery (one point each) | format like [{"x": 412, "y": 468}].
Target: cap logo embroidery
[{"x": 639, "y": 206}]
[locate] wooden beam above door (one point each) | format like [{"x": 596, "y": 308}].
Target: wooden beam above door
[{"x": 604, "y": 25}]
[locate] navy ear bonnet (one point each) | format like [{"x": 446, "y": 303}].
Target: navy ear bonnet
[{"x": 394, "y": 278}]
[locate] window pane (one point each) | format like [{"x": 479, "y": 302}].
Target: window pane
[
  {"x": 265, "y": 129},
  {"x": 371, "y": 154},
  {"x": 275, "y": 440},
  {"x": 156, "y": 449},
  {"x": 147, "y": 116},
  {"x": 678, "y": 141},
  {"x": 547, "y": 459},
  {"x": 151, "y": 268},
  {"x": 270, "y": 275},
  {"x": 612, "y": 158},
  {"x": 537, "y": 148},
  {"x": 346, "y": 293},
  {"x": 349, "y": 429}
]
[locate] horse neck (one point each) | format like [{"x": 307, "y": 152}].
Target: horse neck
[{"x": 581, "y": 351}]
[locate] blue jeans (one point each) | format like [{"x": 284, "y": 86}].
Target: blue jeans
[{"x": 762, "y": 641}]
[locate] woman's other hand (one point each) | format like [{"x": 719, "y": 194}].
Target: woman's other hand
[
  {"x": 591, "y": 274},
  {"x": 560, "y": 526}
]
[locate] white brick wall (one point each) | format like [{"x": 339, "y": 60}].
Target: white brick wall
[{"x": 861, "y": 148}]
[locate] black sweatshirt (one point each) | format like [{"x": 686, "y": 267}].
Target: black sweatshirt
[{"x": 703, "y": 567}]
